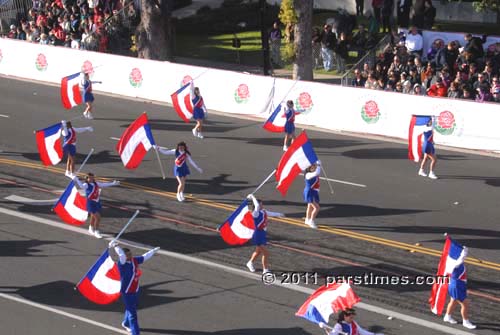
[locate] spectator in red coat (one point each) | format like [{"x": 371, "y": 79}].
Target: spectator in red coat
[{"x": 438, "y": 89}]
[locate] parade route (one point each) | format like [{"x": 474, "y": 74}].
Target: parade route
[{"x": 382, "y": 219}]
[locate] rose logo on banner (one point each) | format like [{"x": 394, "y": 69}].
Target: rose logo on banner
[
  {"x": 304, "y": 103},
  {"x": 370, "y": 112},
  {"x": 445, "y": 123},
  {"x": 41, "y": 62},
  {"x": 135, "y": 78},
  {"x": 242, "y": 94},
  {"x": 88, "y": 68},
  {"x": 186, "y": 80}
]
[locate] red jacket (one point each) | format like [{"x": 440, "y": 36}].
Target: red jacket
[{"x": 435, "y": 91}]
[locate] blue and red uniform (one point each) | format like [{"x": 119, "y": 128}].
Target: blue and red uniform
[
  {"x": 260, "y": 234},
  {"x": 181, "y": 168},
  {"x": 69, "y": 142},
  {"x": 457, "y": 288},
  {"x": 87, "y": 91},
  {"x": 129, "y": 278},
  {"x": 428, "y": 143},
  {"x": 290, "y": 120},
  {"x": 93, "y": 193},
  {"x": 311, "y": 190},
  {"x": 198, "y": 108}
]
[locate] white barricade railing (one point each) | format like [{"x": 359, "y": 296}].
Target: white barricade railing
[{"x": 459, "y": 123}]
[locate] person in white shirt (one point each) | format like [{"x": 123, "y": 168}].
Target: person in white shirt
[
  {"x": 414, "y": 42},
  {"x": 346, "y": 325}
]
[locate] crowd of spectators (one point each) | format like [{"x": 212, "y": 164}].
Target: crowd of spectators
[
  {"x": 78, "y": 24},
  {"x": 445, "y": 70}
]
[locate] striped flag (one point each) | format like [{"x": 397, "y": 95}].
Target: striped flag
[
  {"x": 48, "y": 141},
  {"x": 71, "y": 206},
  {"x": 181, "y": 99},
  {"x": 135, "y": 142},
  {"x": 71, "y": 94}
]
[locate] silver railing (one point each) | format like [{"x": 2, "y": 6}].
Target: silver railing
[{"x": 370, "y": 57}]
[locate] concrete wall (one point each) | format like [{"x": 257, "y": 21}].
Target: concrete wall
[{"x": 456, "y": 11}]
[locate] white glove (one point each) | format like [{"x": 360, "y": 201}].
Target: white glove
[
  {"x": 116, "y": 182},
  {"x": 281, "y": 215},
  {"x": 466, "y": 251},
  {"x": 321, "y": 325},
  {"x": 318, "y": 162},
  {"x": 155, "y": 250},
  {"x": 90, "y": 129},
  {"x": 155, "y": 147},
  {"x": 63, "y": 122},
  {"x": 200, "y": 170},
  {"x": 113, "y": 244},
  {"x": 250, "y": 196}
]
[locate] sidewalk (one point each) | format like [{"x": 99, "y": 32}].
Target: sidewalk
[{"x": 279, "y": 73}]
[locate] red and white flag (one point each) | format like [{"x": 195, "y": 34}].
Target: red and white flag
[
  {"x": 327, "y": 300},
  {"x": 239, "y": 227},
  {"x": 299, "y": 156},
  {"x": 48, "y": 141},
  {"x": 181, "y": 99},
  {"x": 135, "y": 142},
  {"x": 71, "y": 206},
  {"x": 101, "y": 284},
  {"x": 71, "y": 94}
]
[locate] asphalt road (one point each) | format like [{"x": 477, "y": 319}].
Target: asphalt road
[{"x": 363, "y": 229}]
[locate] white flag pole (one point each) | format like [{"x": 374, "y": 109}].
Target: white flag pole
[
  {"x": 159, "y": 162},
  {"x": 265, "y": 181},
  {"x": 84, "y": 161}
]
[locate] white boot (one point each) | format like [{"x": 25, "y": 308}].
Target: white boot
[
  {"x": 195, "y": 132},
  {"x": 432, "y": 175},
  {"x": 97, "y": 234},
  {"x": 91, "y": 230},
  {"x": 422, "y": 173},
  {"x": 285, "y": 148}
]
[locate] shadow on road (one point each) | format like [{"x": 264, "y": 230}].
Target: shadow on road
[
  {"x": 23, "y": 248},
  {"x": 63, "y": 294},
  {"x": 252, "y": 331}
]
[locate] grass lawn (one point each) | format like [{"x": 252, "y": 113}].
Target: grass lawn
[{"x": 219, "y": 48}]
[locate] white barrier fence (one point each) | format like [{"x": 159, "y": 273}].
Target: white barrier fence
[{"x": 459, "y": 123}]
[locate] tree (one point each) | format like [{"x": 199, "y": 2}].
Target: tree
[
  {"x": 485, "y": 5},
  {"x": 154, "y": 33},
  {"x": 302, "y": 66},
  {"x": 288, "y": 17}
]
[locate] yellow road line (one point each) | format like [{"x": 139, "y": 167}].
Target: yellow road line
[{"x": 295, "y": 222}]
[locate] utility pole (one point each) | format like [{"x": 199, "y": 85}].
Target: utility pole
[{"x": 264, "y": 37}]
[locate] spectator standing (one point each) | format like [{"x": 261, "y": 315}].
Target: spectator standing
[
  {"x": 429, "y": 15},
  {"x": 328, "y": 43},
  {"x": 360, "y": 5},
  {"x": 275, "y": 37},
  {"x": 403, "y": 12},
  {"x": 474, "y": 45},
  {"x": 316, "y": 47},
  {"x": 387, "y": 12},
  {"x": 377, "y": 10},
  {"x": 414, "y": 42},
  {"x": 359, "y": 40},
  {"x": 341, "y": 53},
  {"x": 418, "y": 13}
]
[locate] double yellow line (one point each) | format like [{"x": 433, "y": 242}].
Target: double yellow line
[{"x": 342, "y": 232}]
